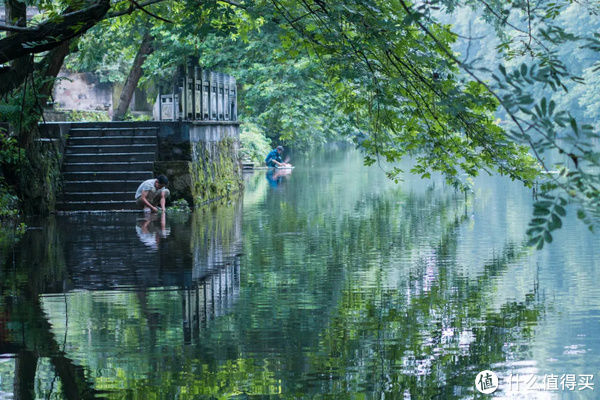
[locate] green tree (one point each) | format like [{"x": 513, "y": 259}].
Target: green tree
[
  {"x": 396, "y": 84},
  {"x": 392, "y": 64}
]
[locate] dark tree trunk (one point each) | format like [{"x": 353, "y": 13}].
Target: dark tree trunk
[
  {"x": 134, "y": 77},
  {"x": 46, "y": 36},
  {"x": 16, "y": 13},
  {"x": 24, "y": 381},
  {"x": 19, "y": 68},
  {"x": 50, "y": 67}
]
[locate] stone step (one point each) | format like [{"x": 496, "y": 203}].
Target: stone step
[
  {"x": 101, "y": 186},
  {"x": 110, "y": 140},
  {"x": 108, "y": 166},
  {"x": 96, "y": 149},
  {"x": 112, "y": 131},
  {"x": 96, "y": 205},
  {"x": 97, "y": 196},
  {"x": 108, "y": 176},
  {"x": 109, "y": 157}
]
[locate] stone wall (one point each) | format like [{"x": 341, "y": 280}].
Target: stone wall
[
  {"x": 201, "y": 159},
  {"x": 82, "y": 92},
  {"x": 77, "y": 96}
]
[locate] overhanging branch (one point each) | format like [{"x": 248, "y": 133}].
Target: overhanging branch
[
  {"x": 129, "y": 10},
  {"x": 15, "y": 28},
  {"x": 139, "y": 6},
  {"x": 50, "y": 34}
]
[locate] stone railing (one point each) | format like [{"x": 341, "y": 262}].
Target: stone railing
[{"x": 199, "y": 95}]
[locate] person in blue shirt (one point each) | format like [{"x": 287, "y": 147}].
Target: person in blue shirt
[
  {"x": 275, "y": 176},
  {"x": 274, "y": 158}
]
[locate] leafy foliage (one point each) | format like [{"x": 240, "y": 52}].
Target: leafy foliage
[
  {"x": 30, "y": 167},
  {"x": 397, "y": 83},
  {"x": 254, "y": 144},
  {"x": 386, "y": 74},
  {"x": 180, "y": 205},
  {"x": 281, "y": 95},
  {"x": 392, "y": 65},
  {"x": 11, "y": 157}
]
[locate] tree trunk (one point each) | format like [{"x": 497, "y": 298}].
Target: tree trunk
[
  {"x": 16, "y": 13},
  {"x": 19, "y": 68},
  {"x": 134, "y": 77},
  {"x": 24, "y": 380},
  {"x": 46, "y": 36},
  {"x": 50, "y": 67}
]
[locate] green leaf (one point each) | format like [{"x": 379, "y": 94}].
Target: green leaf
[
  {"x": 523, "y": 69},
  {"x": 538, "y": 221},
  {"x": 540, "y": 244},
  {"x": 574, "y": 126},
  {"x": 535, "y": 229},
  {"x": 534, "y": 241},
  {"x": 502, "y": 70},
  {"x": 556, "y": 223},
  {"x": 543, "y": 105},
  {"x": 560, "y": 210},
  {"x": 541, "y": 211}
]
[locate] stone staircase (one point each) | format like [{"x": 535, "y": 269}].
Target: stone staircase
[{"x": 104, "y": 164}]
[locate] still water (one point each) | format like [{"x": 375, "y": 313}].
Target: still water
[{"x": 328, "y": 282}]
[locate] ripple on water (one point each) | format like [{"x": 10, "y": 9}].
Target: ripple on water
[{"x": 336, "y": 283}]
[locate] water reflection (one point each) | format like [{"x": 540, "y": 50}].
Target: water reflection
[
  {"x": 210, "y": 299},
  {"x": 277, "y": 176},
  {"x": 27, "y": 336},
  {"x": 113, "y": 284},
  {"x": 342, "y": 285},
  {"x": 150, "y": 231}
]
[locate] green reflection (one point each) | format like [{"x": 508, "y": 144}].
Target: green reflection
[
  {"x": 37, "y": 265},
  {"x": 334, "y": 284}
]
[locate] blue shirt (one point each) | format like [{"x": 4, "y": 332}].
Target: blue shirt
[{"x": 273, "y": 155}]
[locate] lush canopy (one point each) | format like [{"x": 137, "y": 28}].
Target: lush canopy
[{"x": 395, "y": 76}]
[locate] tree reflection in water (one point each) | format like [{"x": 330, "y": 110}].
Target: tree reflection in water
[{"x": 339, "y": 287}]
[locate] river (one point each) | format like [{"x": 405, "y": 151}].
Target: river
[{"x": 329, "y": 281}]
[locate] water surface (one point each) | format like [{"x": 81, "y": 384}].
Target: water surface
[{"x": 326, "y": 282}]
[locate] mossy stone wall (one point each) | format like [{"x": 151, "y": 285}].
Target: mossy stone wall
[
  {"x": 41, "y": 179},
  {"x": 201, "y": 160}
]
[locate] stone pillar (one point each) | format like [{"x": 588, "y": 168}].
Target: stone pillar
[
  {"x": 213, "y": 96},
  {"x": 205, "y": 95}
]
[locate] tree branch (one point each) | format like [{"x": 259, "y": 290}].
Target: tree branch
[
  {"x": 15, "y": 28},
  {"x": 131, "y": 9},
  {"x": 149, "y": 13},
  {"x": 452, "y": 58},
  {"x": 51, "y": 34},
  {"x": 141, "y": 6}
]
